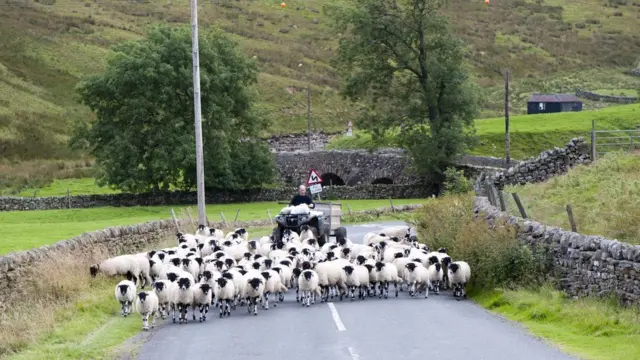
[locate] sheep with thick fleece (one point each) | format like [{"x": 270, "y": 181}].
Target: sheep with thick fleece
[
  {"x": 147, "y": 305},
  {"x": 399, "y": 231},
  {"x": 387, "y": 274},
  {"x": 309, "y": 284},
  {"x": 357, "y": 276},
  {"x": 273, "y": 285},
  {"x": 225, "y": 293},
  {"x": 124, "y": 265},
  {"x": 191, "y": 266},
  {"x": 183, "y": 298},
  {"x": 459, "y": 275},
  {"x": 202, "y": 296},
  {"x": 373, "y": 238},
  {"x": 164, "y": 290},
  {"x": 125, "y": 294},
  {"x": 157, "y": 269},
  {"x": 417, "y": 275},
  {"x": 253, "y": 290},
  {"x": 332, "y": 277},
  {"x": 435, "y": 277},
  {"x": 306, "y": 232}
]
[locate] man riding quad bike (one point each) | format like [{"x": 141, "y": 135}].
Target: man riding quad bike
[{"x": 295, "y": 216}]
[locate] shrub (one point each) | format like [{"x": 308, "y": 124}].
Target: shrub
[
  {"x": 455, "y": 182},
  {"x": 497, "y": 258}
]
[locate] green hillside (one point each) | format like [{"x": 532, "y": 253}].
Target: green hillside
[{"x": 47, "y": 45}]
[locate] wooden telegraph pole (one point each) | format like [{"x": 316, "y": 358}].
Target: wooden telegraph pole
[
  {"x": 506, "y": 117},
  {"x": 308, "y": 119},
  {"x": 202, "y": 219}
]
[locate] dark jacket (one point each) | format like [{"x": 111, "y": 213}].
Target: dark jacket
[{"x": 301, "y": 199}]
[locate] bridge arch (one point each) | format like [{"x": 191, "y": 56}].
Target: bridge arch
[
  {"x": 331, "y": 179},
  {"x": 382, "y": 180}
]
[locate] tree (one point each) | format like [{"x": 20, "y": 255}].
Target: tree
[
  {"x": 143, "y": 137},
  {"x": 402, "y": 60}
]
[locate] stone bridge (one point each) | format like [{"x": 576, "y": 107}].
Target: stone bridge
[{"x": 353, "y": 167}]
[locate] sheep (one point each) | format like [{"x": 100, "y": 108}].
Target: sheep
[
  {"x": 147, "y": 306},
  {"x": 125, "y": 294},
  {"x": 332, "y": 277},
  {"x": 308, "y": 280},
  {"x": 202, "y": 296},
  {"x": 164, "y": 290},
  {"x": 157, "y": 270},
  {"x": 459, "y": 275},
  {"x": 387, "y": 273},
  {"x": 183, "y": 298},
  {"x": 273, "y": 285},
  {"x": 357, "y": 276},
  {"x": 224, "y": 292},
  {"x": 399, "y": 231},
  {"x": 417, "y": 275},
  {"x": 124, "y": 265},
  {"x": 192, "y": 266},
  {"x": 253, "y": 290},
  {"x": 306, "y": 232},
  {"x": 435, "y": 277}
]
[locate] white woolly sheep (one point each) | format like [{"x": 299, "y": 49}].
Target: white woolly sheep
[
  {"x": 125, "y": 294},
  {"x": 332, "y": 277},
  {"x": 164, "y": 290},
  {"x": 202, "y": 297},
  {"x": 225, "y": 293},
  {"x": 387, "y": 274},
  {"x": 183, "y": 298},
  {"x": 357, "y": 276},
  {"x": 253, "y": 290},
  {"x": 124, "y": 265},
  {"x": 417, "y": 275},
  {"x": 399, "y": 231},
  {"x": 309, "y": 284},
  {"x": 435, "y": 277},
  {"x": 147, "y": 306},
  {"x": 459, "y": 275},
  {"x": 273, "y": 285}
]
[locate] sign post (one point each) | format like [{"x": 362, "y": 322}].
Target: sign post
[{"x": 314, "y": 182}]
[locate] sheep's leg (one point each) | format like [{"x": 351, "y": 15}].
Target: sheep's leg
[
  {"x": 145, "y": 321},
  {"x": 297, "y": 293},
  {"x": 173, "y": 307},
  {"x": 436, "y": 287},
  {"x": 386, "y": 289},
  {"x": 193, "y": 312},
  {"x": 265, "y": 305},
  {"x": 201, "y": 309},
  {"x": 228, "y": 307},
  {"x": 426, "y": 291},
  {"x": 123, "y": 308},
  {"x": 395, "y": 285},
  {"x": 412, "y": 291},
  {"x": 255, "y": 306},
  {"x": 153, "y": 319}
]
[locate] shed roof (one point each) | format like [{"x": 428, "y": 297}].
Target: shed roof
[{"x": 554, "y": 98}]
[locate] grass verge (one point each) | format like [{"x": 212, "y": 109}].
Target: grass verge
[
  {"x": 25, "y": 229},
  {"x": 594, "y": 329},
  {"x": 605, "y": 198},
  {"x": 530, "y": 134}
]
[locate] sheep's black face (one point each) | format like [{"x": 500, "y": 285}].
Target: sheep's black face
[
  {"x": 253, "y": 244},
  {"x": 266, "y": 275},
  {"x": 297, "y": 272},
  {"x": 268, "y": 263},
  {"x": 255, "y": 283},
  {"x": 346, "y": 251},
  {"x": 93, "y": 270},
  {"x": 256, "y": 265},
  {"x": 308, "y": 275},
  {"x": 395, "y": 239},
  {"x": 222, "y": 282},
  {"x": 184, "y": 283},
  {"x": 311, "y": 241},
  {"x": 241, "y": 231},
  {"x": 123, "y": 289},
  {"x": 217, "y": 248},
  {"x": 200, "y": 246},
  {"x": 286, "y": 263},
  {"x": 178, "y": 235},
  {"x": 228, "y": 275},
  {"x": 191, "y": 254},
  {"x": 369, "y": 267},
  {"x": 379, "y": 265},
  {"x": 159, "y": 286},
  {"x": 151, "y": 253},
  {"x": 205, "y": 288},
  {"x": 172, "y": 276},
  {"x": 330, "y": 255},
  {"x": 304, "y": 228},
  {"x": 293, "y": 251},
  {"x": 143, "y": 296},
  {"x": 333, "y": 246},
  {"x": 219, "y": 264},
  {"x": 182, "y": 240},
  {"x": 201, "y": 227},
  {"x": 171, "y": 252},
  {"x": 247, "y": 255},
  {"x": 207, "y": 275},
  {"x": 407, "y": 252},
  {"x": 446, "y": 261},
  {"x": 433, "y": 260},
  {"x": 227, "y": 243},
  {"x": 454, "y": 267},
  {"x": 382, "y": 244},
  {"x": 360, "y": 259},
  {"x": 199, "y": 260},
  {"x": 176, "y": 261},
  {"x": 383, "y": 234},
  {"x": 342, "y": 241},
  {"x": 398, "y": 255},
  {"x": 219, "y": 254},
  {"x": 186, "y": 262},
  {"x": 161, "y": 256},
  {"x": 229, "y": 262},
  {"x": 257, "y": 256},
  {"x": 438, "y": 267},
  {"x": 130, "y": 277},
  {"x": 243, "y": 272},
  {"x": 410, "y": 266},
  {"x": 212, "y": 243},
  {"x": 184, "y": 246},
  {"x": 306, "y": 252},
  {"x": 212, "y": 231},
  {"x": 413, "y": 238},
  {"x": 276, "y": 269},
  {"x": 418, "y": 260},
  {"x": 348, "y": 269},
  {"x": 442, "y": 250},
  {"x": 306, "y": 265},
  {"x": 151, "y": 263}
]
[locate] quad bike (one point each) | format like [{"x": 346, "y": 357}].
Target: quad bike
[{"x": 323, "y": 220}]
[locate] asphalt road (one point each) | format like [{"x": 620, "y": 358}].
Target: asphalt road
[{"x": 373, "y": 329}]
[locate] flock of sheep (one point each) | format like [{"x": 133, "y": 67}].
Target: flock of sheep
[{"x": 211, "y": 268}]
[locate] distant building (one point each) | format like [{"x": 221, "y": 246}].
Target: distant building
[{"x": 553, "y": 103}]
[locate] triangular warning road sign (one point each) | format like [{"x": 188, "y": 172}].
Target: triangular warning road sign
[{"x": 314, "y": 178}]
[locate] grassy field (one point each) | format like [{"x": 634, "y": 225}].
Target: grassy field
[
  {"x": 591, "y": 328},
  {"x": 617, "y": 92},
  {"x": 28, "y": 229},
  {"x": 605, "y": 198},
  {"x": 549, "y": 45},
  {"x": 530, "y": 134}
]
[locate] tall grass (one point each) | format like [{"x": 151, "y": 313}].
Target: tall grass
[
  {"x": 15, "y": 176},
  {"x": 605, "y": 197}
]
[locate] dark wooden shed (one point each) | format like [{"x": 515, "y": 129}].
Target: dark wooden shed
[{"x": 553, "y": 103}]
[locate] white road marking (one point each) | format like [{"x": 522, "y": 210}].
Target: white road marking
[
  {"x": 336, "y": 317},
  {"x": 354, "y": 354}
]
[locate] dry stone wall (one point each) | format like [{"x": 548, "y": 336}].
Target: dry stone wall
[
  {"x": 607, "y": 98},
  {"x": 582, "y": 264},
  {"x": 546, "y": 165},
  {"x": 212, "y": 197},
  {"x": 293, "y": 142}
]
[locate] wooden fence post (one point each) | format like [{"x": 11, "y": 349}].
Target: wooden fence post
[
  {"x": 593, "y": 140},
  {"x": 520, "y": 207},
  {"x": 572, "y": 221},
  {"x": 224, "y": 222},
  {"x": 69, "y": 198},
  {"x": 35, "y": 193},
  {"x": 175, "y": 220},
  {"x": 392, "y": 208},
  {"x": 349, "y": 209},
  {"x": 236, "y": 217},
  {"x": 191, "y": 220},
  {"x": 270, "y": 218},
  {"x": 503, "y": 206}
]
